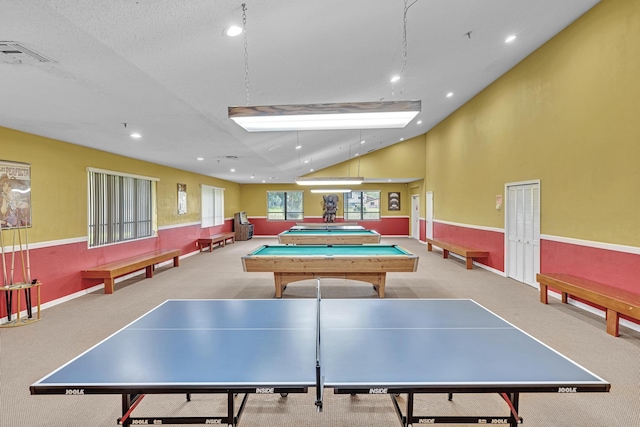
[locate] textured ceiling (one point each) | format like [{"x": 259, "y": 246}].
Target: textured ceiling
[{"x": 165, "y": 68}]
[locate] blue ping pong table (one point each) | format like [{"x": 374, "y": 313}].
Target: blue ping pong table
[{"x": 390, "y": 346}]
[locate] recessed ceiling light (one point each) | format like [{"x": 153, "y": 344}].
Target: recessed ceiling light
[
  {"x": 298, "y": 147},
  {"x": 135, "y": 135},
  {"x": 363, "y": 141},
  {"x": 252, "y": 176},
  {"x": 306, "y": 161},
  {"x": 356, "y": 155},
  {"x": 311, "y": 170},
  {"x": 450, "y": 94},
  {"x": 200, "y": 158},
  {"x": 232, "y": 170},
  {"x": 401, "y": 139},
  {"x": 395, "y": 79},
  {"x": 233, "y": 31},
  {"x": 419, "y": 122},
  {"x": 510, "y": 39},
  {"x": 263, "y": 181}
]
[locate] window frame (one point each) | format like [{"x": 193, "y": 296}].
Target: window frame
[
  {"x": 121, "y": 207},
  {"x": 348, "y": 216},
  {"x": 215, "y": 196},
  {"x": 285, "y": 212}
]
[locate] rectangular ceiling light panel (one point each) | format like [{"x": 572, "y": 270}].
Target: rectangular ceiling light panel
[{"x": 363, "y": 115}]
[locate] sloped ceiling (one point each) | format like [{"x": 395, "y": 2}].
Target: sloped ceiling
[{"x": 166, "y": 70}]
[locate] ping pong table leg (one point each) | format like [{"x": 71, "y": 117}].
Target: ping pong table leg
[
  {"x": 234, "y": 419},
  {"x": 512, "y": 400},
  {"x": 407, "y": 419}
]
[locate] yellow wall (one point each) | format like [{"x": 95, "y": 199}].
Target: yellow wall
[
  {"x": 569, "y": 115},
  {"x": 401, "y": 160},
  {"x": 59, "y": 184}
]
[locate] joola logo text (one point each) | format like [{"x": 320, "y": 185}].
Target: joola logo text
[
  {"x": 567, "y": 390},
  {"x": 74, "y": 391},
  {"x": 378, "y": 390}
]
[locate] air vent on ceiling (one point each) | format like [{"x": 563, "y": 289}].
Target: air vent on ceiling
[{"x": 15, "y": 53}]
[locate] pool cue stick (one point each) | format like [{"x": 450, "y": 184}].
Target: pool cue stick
[
  {"x": 24, "y": 268},
  {"x": 27, "y": 291},
  {"x": 4, "y": 276},
  {"x": 13, "y": 263},
  {"x": 13, "y": 256},
  {"x": 4, "y": 261}
]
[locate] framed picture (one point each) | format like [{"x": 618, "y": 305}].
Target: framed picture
[
  {"x": 394, "y": 201},
  {"x": 182, "y": 199},
  {"x": 15, "y": 194}
]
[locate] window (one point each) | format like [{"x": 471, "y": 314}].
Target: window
[
  {"x": 283, "y": 205},
  {"x": 212, "y": 206},
  {"x": 360, "y": 205},
  {"x": 121, "y": 207}
]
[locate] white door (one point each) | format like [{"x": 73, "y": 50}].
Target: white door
[
  {"x": 429, "y": 214},
  {"x": 415, "y": 217},
  {"x": 523, "y": 232}
]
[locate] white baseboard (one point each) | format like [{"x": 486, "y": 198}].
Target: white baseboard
[{"x": 97, "y": 287}]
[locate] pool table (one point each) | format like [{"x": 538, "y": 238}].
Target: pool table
[
  {"x": 367, "y": 263},
  {"x": 319, "y": 236}
]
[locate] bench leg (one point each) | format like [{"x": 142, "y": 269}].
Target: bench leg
[
  {"x": 469, "y": 263},
  {"x": 613, "y": 322},
  {"x": 429, "y": 247},
  {"x": 445, "y": 253},
  {"x": 543, "y": 294},
  {"x": 176, "y": 261},
  {"x": 149, "y": 273},
  {"x": 565, "y": 297},
  {"x": 108, "y": 285}
]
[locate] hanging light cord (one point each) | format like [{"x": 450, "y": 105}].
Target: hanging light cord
[
  {"x": 404, "y": 44},
  {"x": 246, "y": 50}
]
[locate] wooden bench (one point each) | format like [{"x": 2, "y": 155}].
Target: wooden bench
[
  {"x": 110, "y": 271},
  {"x": 467, "y": 252},
  {"x": 220, "y": 239},
  {"x": 615, "y": 301}
]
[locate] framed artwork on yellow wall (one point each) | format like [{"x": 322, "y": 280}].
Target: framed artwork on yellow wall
[
  {"x": 394, "y": 201},
  {"x": 15, "y": 194},
  {"x": 182, "y": 199}
]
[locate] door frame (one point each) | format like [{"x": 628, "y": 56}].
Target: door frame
[
  {"x": 415, "y": 216},
  {"x": 507, "y": 230},
  {"x": 429, "y": 214}
]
